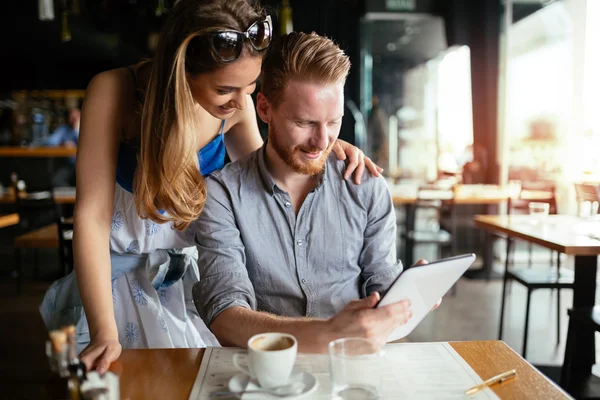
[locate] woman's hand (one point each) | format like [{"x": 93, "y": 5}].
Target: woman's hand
[
  {"x": 100, "y": 353},
  {"x": 356, "y": 160}
]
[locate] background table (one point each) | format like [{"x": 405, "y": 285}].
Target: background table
[
  {"x": 569, "y": 235},
  {"x": 8, "y": 220}
]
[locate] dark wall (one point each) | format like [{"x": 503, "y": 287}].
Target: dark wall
[
  {"x": 113, "y": 33},
  {"x": 339, "y": 20},
  {"x": 106, "y": 34},
  {"x": 477, "y": 24}
]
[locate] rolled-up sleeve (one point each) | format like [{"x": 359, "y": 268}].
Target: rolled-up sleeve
[
  {"x": 379, "y": 263},
  {"x": 224, "y": 280}
]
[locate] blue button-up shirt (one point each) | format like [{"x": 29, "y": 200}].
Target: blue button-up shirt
[
  {"x": 61, "y": 135},
  {"x": 255, "y": 252}
]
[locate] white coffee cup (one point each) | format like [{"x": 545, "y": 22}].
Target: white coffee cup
[{"x": 271, "y": 358}]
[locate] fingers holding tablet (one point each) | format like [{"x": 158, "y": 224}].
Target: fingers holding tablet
[{"x": 436, "y": 305}]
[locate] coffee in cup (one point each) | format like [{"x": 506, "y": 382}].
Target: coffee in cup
[
  {"x": 271, "y": 357},
  {"x": 271, "y": 343}
]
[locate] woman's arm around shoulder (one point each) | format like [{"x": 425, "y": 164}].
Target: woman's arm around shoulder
[{"x": 243, "y": 136}]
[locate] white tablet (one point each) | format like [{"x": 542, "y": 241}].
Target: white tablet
[{"x": 424, "y": 285}]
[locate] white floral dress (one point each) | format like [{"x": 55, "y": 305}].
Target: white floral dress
[{"x": 154, "y": 267}]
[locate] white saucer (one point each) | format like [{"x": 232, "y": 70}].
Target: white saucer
[{"x": 243, "y": 382}]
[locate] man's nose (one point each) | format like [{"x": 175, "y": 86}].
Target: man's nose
[{"x": 321, "y": 137}]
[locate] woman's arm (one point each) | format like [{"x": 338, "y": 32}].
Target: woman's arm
[
  {"x": 101, "y": 128},
  {"x": 242, "y": 136}
]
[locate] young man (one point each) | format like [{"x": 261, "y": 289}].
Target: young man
[{"x": 285, "y": 243}]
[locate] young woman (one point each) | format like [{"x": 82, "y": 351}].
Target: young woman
[{"x": 158, "y": 127}]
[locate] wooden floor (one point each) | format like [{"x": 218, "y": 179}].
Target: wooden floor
[{"x": 471, "y": 315}]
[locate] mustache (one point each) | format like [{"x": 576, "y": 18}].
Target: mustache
[{"x": 311, "y": 149}]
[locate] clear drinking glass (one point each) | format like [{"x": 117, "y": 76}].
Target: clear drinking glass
[
  {"x": 356, "y": 367},
  {"x": 514, "y": 188},
  {"x": 538, "y": 211}
]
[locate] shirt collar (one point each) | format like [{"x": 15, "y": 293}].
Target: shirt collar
[{"x": 267, "y": 179}]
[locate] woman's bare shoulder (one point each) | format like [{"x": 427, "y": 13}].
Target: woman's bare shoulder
[
  {"x": 115, "y": 82},
  {"x": 112, "y": 94}
]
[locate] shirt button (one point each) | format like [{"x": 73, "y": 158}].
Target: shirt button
[
  {"x": 303, "y": 281},
  {"x": 287, "y": 204},
  {"x": 300, "y": 242}
]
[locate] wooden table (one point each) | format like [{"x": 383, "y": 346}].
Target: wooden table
[
  {"x": 59, "y": 198},
  {"x": 39, "y": 151},
  {"x": 466, "y": 194},
  {"x": 170, "y": 373},
  {"x": 45, "y": 237},
  {"x": 8, "y": 220},
  {"x": 569, "y": 235}
]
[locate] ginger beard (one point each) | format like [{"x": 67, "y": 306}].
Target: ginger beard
[{"x": 294, "y": 156}]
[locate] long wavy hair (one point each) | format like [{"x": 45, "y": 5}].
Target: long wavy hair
[{"x": 167, "y": 175}]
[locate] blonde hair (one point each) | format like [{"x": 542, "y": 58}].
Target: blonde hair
[
  {"x": 301, "y": 56},
  {"x": 167, "y": 176}
]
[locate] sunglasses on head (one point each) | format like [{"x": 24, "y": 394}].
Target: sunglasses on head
[{"x": 227, "y": 45}]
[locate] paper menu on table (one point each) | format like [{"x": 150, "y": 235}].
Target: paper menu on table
[
  {"x": 429, "y": 371},
  {"x": 412, "y": 371}
]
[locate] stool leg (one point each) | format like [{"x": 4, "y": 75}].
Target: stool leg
[
  {"x": 18, "y": 273},
  {"x": 558, "y": 300},
  {"x": 36, "y": 268},
  {"x": 530, "y": 255},
  {"x": 565, "y": 376},
  {"x": 558, "y": 317},
  {"x": 504, "y": 281},
  {"x": 526, "y": 323},
  {"x": 409, "y": 251},
  {"x": 510, "y": 257}
]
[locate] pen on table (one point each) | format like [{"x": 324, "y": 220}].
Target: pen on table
[{"x": 503, "y": 377}]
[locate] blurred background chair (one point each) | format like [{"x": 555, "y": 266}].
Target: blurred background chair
[
  {"x": 587, "y": 196},
  {"x": 430, "y": 220},
  {"x": 38, "y": 213},
  {"x": 65, "y": 244},
  {"x": 36, "y": 208},
  {"x": 538, "y": 276},
  {"x": 519, "y": 205}
]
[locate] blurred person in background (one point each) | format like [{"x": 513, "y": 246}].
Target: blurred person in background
[
  {"x": 66, "y": 135},
  {"x": 475, "y": 170},
  {"x": 149, "y": 134},
  {"x": 378, "y": 133}
]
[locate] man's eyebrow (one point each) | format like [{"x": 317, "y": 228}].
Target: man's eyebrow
[
  {"x": 235, "y": 87},
  {"x": 307, "y": 119}
]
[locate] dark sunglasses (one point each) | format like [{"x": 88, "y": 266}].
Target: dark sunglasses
[{"x": 227, "y": 45}]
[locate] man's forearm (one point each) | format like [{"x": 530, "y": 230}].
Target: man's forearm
[{"x": 234, "y": 326}]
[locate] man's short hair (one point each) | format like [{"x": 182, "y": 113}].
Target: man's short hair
[{"x": 304, "y": 57}]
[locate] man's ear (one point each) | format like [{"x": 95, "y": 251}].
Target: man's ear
[{"x": 263, "y": 107}]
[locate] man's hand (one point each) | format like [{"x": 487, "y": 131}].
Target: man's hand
[{"x": 360, "y": 318}]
